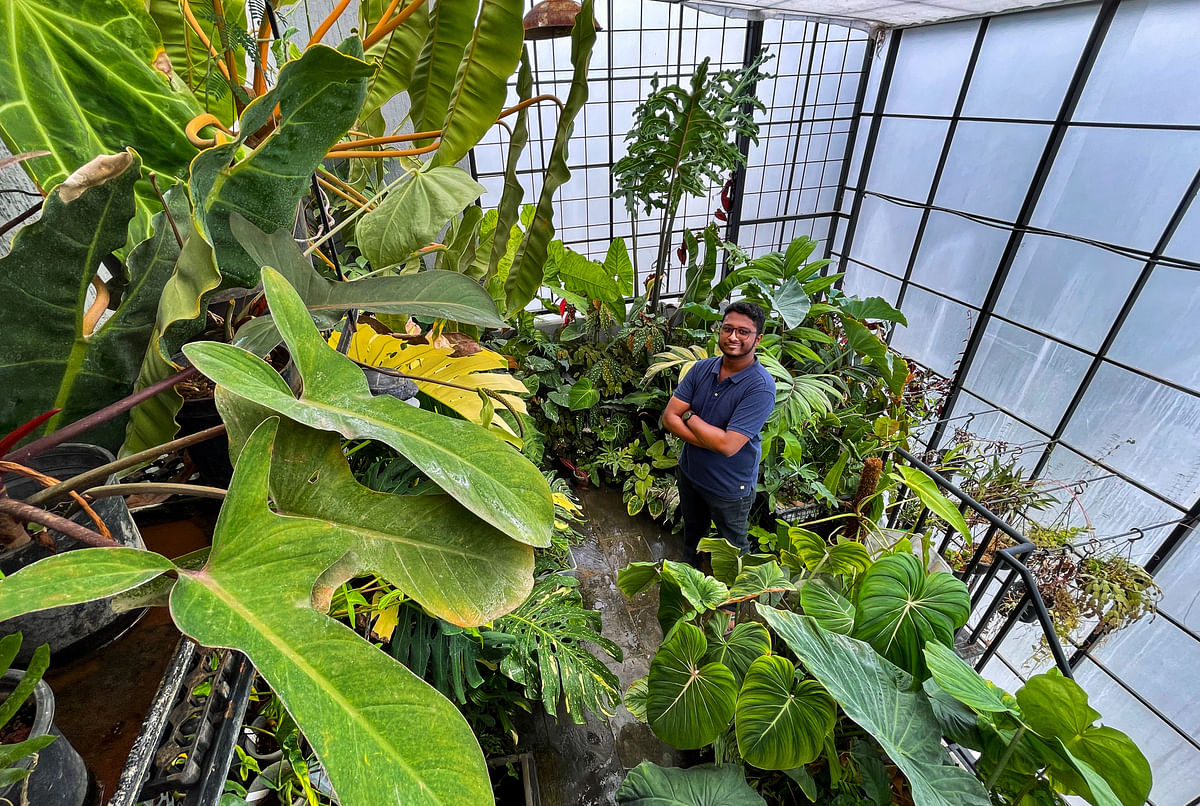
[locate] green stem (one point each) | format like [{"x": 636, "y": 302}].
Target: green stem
[{"x": 1004, "y": 759}]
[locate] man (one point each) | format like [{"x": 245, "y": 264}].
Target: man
[{"x": 719, "y": 409}]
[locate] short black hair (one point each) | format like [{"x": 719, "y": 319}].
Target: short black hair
[{"x": 748, "y": 309}]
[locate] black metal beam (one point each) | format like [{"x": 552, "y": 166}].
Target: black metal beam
[{"x": 753, "y": 44}]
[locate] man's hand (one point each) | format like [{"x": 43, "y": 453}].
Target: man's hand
[
  {"x": 726, "y": 443},
  {"x": 673, "y": 421}
]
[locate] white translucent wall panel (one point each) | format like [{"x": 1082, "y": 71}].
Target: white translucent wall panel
[
  {"x": 1185, "y": 243},
  {"x": 1027, "y": 61},
  {"x": 1181, "y": 595},
  {"x": 1015, "y": 439},
  {"x": 929, "y": 68},
  {"x": 1067, "y": 289},
  {"x": 1026, "y": 374},
  {"x": 1144, "y": 429},
  {"x": 958, "y": 257},
  {"x": 864, "y": 282},
  {"x": 906, "y": 155},
  {"x": 989, "y": 167},
  {"x": 1170, "y": 296},
  {"x": 1118, "y": 185},
  {"x": 1147, "y": 70},
  {"x": 884, "y": 234},
  {"x": 937, "y": 330}
]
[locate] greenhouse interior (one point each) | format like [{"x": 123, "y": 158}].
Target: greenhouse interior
[{"x": 356, "y": 444}]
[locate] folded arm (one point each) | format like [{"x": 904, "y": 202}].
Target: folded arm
[{"x": 696, "y": 432}]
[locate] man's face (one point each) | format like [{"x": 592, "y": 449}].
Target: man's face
[{"x": 738, "y": 336}]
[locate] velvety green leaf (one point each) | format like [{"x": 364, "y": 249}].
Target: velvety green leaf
[
  {"x": 583, "y": 395},
  {"x": 827, "y": 607},
  {"x": 481, "y": 471},
  {"x": 451, "y": 25},
  {"x": 318, "y": 97},
  {"x": 83, "y": 78},
  {"x": 480, "y": 86},
  {"x": 726, "y": 560},
  {"x": 880, "y": 698},
  {"x": 636, "y": 577},
  {"x": 902, "y": 607},
  {"x": 872, "y": 308},
  {"x": 791, "y": 303},
  {"x": 702, "y": 591},
  {"x": 372, "y": 723},
  {"x": 746, "y": 643},
  {"x": 927, "y": 491},
  {"x": 73, "y": 577},
  {"x": 413, "y": 213},
  {"x": 411, "y": 540},
  {"x": 526, "y": 273},
  {"x": 689, "y": 703},
  {"x": 809, "y": 551},
  {"x": 635, "y": 698},
  {"x": 47, "y": 360},
  {"x": 954, "y": 676},
  {"x": 781, "y": 723},
  {"x": 757, "y": 580},
  {"x": 648, "y": 784}
]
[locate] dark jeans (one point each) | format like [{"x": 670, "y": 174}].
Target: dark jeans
[{"x": 700, "y": 509}]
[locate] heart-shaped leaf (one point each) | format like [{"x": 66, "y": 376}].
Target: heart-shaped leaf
[
  {"x": 413, "y": 212},
  {"x": 746, "y": 643},
  {"x": 706, "y": 785},
  {"x": 808, "y": 551},
  {"x": 759, "y": 580},
  {"x": 702, "y": 591},
  {"x": 689, "y": 703},
  {"x": 827, "y": 607},
  {"x": 781, "y": 723}
]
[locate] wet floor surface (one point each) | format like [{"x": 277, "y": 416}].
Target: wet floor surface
[{"x": 582, "y": 765}]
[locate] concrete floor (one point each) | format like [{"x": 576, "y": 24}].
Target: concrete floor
[{"x": 583, "y": 765}]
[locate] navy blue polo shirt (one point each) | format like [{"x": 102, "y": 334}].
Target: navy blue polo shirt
[{"x": 742, "y": 402}]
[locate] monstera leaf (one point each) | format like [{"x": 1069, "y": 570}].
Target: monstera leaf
[
  {"x": 648, "y": 784},
  {"x": 781, "y": 723},
  {"x": 481, "y": 471},
  {"x": 881, "y": 699},
  {"x": 745, "y": 644},
  {"x": 318, "y": 97},
  {"x": 902, "y": 607},
  {"x": 689, "y": 703},
  {"x": 52, "y": 355}
]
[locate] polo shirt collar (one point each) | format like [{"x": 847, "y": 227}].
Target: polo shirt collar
[{"x": 736, "y": 377}]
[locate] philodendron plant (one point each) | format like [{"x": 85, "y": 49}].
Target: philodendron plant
[{"x": 296, "y": 524}]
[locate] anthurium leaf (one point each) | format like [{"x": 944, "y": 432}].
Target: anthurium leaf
[
  {"x": 880, "y": 698},
  {"x": 744, "y": 644},
  {"x": 637, "y": 577},
  {"x": 525, "y": 276},
  {"x": 618, "y": 266},
  {"x": 255, "y": 594},
  {"x": 689, "y": 703},
  {"x": 394, "y": 56},
  {"x": 318, "y": 97},
  {"x": 481, "y": 471},
  {"x": 902, "y": 607},
  {"x": 781, "y": 723},
  {"x": 49, "y": 357},
  {"x": 791, "y": 303},
  {"x": 872, "y": 308},
  {"x": 88, "y": 79},
  {"x": 827, "y": 607},
  {"x": 955, "y": 677},
  {"x": 451, "y": 24},
  {"x": 583, "y": 395},
  {"x": 757, "y": 580},
  {"x": 407, "y": 539},
  {"x": 509, "y": 209},
  {"x": 702, "y": 591},
  {"x": 413, "y": 212},
  {"x": 480, "y": 86},
  {"x": 73, "y": 577},
  {"x": 587, "y": 278},
  {"x": 648, "y": 784},
  {"x": 927, "y": 491}
]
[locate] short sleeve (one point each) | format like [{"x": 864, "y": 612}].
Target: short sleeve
[
  {"x": 687, "y": 387},
  {"x": 752, "y": 412}
]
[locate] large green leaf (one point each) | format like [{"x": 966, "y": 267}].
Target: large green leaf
[
  {"x": 451, "y": 24},
  {"x": 481, "y": 471},
  {"x": 689, "y": 703},
  {"x": 745, "y": 644},
  {"x": 509, "y": 209},
  {"x": 927, "y": 491},
  {"x": 413, "y": 212},
  {"x": 648, "y": 784},
  {"x": 318, "y": 96},
  {"x": 85, "y": 78},
  {"x": 765, "y": 579},
  {"x": 827, "y": 607},
  {"x": 637, "y": 577},
  {"x": 480, "y": 86},
  {"x": 781, "y": 723},
  {"x": 78, "y": 576},
  {"x": 394, "y": 56},
  {"x": 702, "y": 591},
  {"x": 881, "y": 699},
  {"x": 525, "y": 276},
  {"x": 790, "y": 302},
  {"x": 955, "y": 677},
  {"x": 383, "y": 735},
  {"x": 872, "y": 308},
  {"x": 808, "y": 551},
  {"x": 413, "y": 540},
  {"x": 902, "y": 607},
  {"x": 47, "y": 359}
]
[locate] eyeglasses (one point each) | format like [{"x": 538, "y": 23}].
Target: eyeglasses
[{"x": 743, "y": 332}]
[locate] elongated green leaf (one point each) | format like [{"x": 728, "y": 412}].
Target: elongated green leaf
[
  {"x": 525, "y": 276},
  {"x": 49, "y": 358},
  {"x": 318, "y": 96},
  {"x": 83, "y": 79},
  {"x": 482, "y": 472},
  {"x": 12, "y": 753},
  {"x": 509, "y": 209},
  {"x": 480, "y": 86},
  {"x": 73, "y": 577},
  {"x": 648, "y": 784},
  {"x": 24, "y": 688},
  {"x": 375, "y": 726},
  {"x": 618, "y": 266},
  {"x": 451, "y": 24},
  {"x": 745, "y": 644},
  {"x": 927, "y": 491},
  {"x": 413, "y": 213},
  {"x": 689, "y": 704},
  {"x": 902, "y": 607},
  {"x": 411, "y": 540},
  {"x": 879, "y": 697},
  {"x": 781, "y": 723},
  {"x": 394, "y": 57},
  {"x": 955, "y": 677},
  {"x": 827, "y": 607}
]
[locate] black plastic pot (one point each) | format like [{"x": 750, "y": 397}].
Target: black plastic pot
[
  {"x": 74, "y": 628},
  {"x": 59, "y": 776},
  {"x": 210, "y": 457}
]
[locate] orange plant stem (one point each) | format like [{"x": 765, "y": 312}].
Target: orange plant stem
[
  {"x": 336, "y": 190},
  {"x": 50, "y": 481},
  {"x": 230, "y": 65},
  {"x": 345, "y": 187},
  {"x": 384, "y": 141},
  {"x": 194, "y": 24},
  {"x": 392, "y": 24},
  {"x": 324, "y": 27},
  {"x": 391, "y": 9},
  {"x": 537, "y": 99},
  {"x": 411, "y": 152},
  {"x": 264, "y": 50}
]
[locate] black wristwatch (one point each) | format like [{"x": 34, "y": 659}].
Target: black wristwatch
[{"x": 687, "y": 415}]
